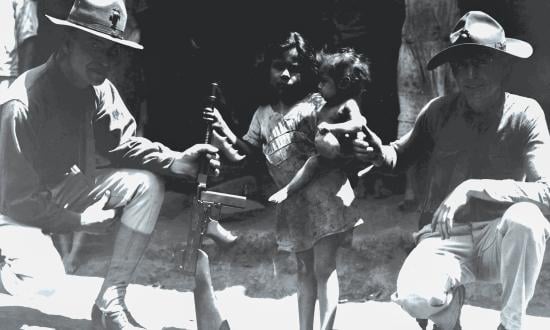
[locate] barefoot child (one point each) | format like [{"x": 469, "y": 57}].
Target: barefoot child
[
  {"x": 343, "y": 78},
  {"x": 70, "y": 246},
  {"x": 309, "y": 224}
]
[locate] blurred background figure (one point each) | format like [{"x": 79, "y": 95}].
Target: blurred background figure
[
  {"x": 18, "y": 27},
  {"x": 129, "y": 75},
  {"x": 425, "y": 30}
]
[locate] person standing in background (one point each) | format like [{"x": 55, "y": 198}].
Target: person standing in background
[
  {"x": 425, "y": 31},
  {"x": 19, "y": 25}
]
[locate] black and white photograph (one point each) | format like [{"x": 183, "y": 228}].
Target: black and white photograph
[{"x": 274, "y": 165}]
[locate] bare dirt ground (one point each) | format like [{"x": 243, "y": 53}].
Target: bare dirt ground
[{"x": 253, "y": 274}]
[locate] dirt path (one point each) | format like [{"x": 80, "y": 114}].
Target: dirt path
[
  {"x": 367, "y": 269},
  {"x": 256, "y": 284}
]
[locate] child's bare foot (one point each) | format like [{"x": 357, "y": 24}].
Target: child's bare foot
[
  {"x": 71, "y": 263},
  {"x": 279, "y": 196},
  {"x": 65, "y": 241}
]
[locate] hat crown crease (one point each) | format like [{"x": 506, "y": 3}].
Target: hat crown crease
[
  {"x": 106, "y": 16},
  {"x": 479, "y": 29}
]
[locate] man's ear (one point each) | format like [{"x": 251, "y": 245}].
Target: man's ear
[
  {"x": 344, "y": 82},
  {"x": 507, "y": 65},
  {"x": 68, "y": 41}
]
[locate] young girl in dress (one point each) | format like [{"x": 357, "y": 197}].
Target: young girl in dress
[
  {"x": 310, "y": 224},
  {"x": 343, "y": 76}
]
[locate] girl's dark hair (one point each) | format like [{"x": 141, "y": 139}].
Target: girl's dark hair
[
  {"x": 307, "y": 63},
  {"x": 349, "y": 70}
]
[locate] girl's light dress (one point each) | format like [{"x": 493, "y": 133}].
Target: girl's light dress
[{"x": 323, "y": 206}]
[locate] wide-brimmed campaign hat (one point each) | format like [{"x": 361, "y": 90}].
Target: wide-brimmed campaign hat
[
  {"x": 477, "y": 29},
  {"x": 103, "y": 18}
]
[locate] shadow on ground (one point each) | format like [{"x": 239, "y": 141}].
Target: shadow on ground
[
  {"x": 367, "y": 268},
  {"x": 17, "y": 317}
]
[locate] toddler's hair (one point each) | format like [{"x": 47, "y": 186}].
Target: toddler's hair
[
  {"x": 349, "y": 70},
  {"x": 307, "y": 62}
]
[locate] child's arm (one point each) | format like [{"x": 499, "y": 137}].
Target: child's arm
[
  {"x": 300, "y": 179},
  {"x": 354, "y": 124},
  {"x": 234, "y": 149}
]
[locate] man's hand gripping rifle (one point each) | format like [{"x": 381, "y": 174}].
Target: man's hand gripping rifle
[{"x": 207, "y": 205}]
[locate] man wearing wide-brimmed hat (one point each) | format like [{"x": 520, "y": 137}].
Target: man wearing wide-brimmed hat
[
  {"x": 488, "y": 187},
  {"x": 69, "y": 160}
]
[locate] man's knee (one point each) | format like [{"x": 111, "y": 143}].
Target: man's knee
[
  {"x": 419, "y": 306},
  {"x": 149, "y": 184},
  {"x": 30, "y": 269},
  {"x": 142, "y": 210},
  {"x": 525, "y": 219},
  {"x": 426, "y": 279},
  {"x": 19, "y": 285},
  {"x": 423, "y": 294}
]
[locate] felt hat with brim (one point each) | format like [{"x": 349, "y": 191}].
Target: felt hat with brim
[
  {"x": 102, "y": 18},
  {"x": 478, "y": 31}
]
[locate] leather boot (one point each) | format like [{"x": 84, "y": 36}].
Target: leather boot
[
  {"x": 456, "y": 305},
  {"x": 113, "y": 321},
  {"x": 128, "y": 249}
]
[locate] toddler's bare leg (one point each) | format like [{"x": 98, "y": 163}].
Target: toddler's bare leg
[
  {"x": 303, "y": 176},
  {"x": 70, "y": 260},
  {"x": 328, "y": 291},
  {"x": 307, "y": 289},
  {"x": 64, "y": 241}
]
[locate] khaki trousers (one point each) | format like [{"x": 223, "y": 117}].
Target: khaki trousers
[
  {"x": 507, "y": 250},
  {"x": 32, "y": 264}
]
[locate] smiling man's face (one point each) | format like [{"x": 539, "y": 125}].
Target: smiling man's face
[
  {"x": 91, "y": 58},
  {"x": 480, "y": 76}
]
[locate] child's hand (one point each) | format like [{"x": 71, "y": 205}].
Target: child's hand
[
  {"x": 223, "y": 143},
  {"x": 214, "y": 116},
  {"x": 279, "y": 196}
]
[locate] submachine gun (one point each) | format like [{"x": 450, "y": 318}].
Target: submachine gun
[{"x": 207, "y": 205}]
